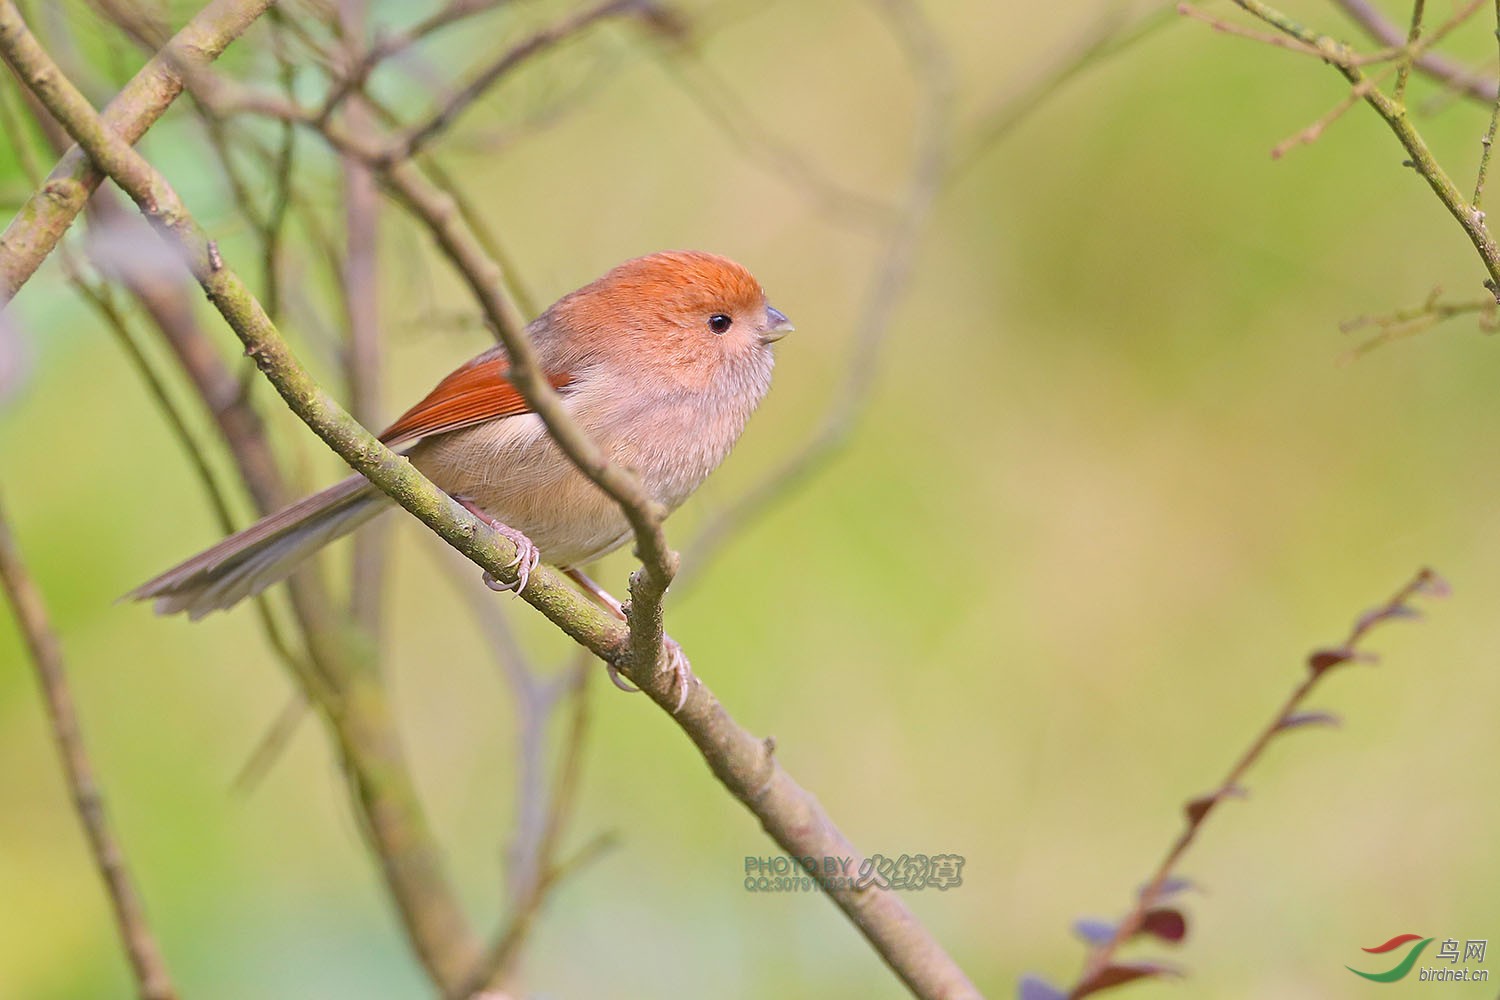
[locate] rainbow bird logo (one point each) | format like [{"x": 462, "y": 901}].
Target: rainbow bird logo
[{"x": 1401, "y": 968}]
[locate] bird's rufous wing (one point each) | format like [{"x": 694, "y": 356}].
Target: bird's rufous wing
[{"x": 476, "y": 392}]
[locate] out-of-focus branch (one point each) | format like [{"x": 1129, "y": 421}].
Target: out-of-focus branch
[
  {"x": 26, "y": 602},
  {"x": 36, "y": 229},
  {"x": 742, "y": 762},
  {"x": 419, "y": 135},
  {"x": 359, "y": 286},
  {"x": 886, "y": 285},
  {"x": 1403, "y": 323},
  {"x": 1111, "y": 36},
  {"x": 268, "y": 223},
  {"x": 738, "y": 122},
  {"x": 388, "y": 44},
  {"x": 163, "y": 301},
  {"x": 351, "y": 698},
  {"x": 1439, "y": 67},
  {"x": 533, "y": 868}
]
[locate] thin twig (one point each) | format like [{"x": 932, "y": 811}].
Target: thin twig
[
  {"x": 39, "y": 225},
  {"x": 151, "y": 975},
  {"x": 1412, "y": 34},
  {"x": 359, "y": 286},
  {"x": 389, "y": 44},
  {"x": 1219, "y": 24},
  {"x": 149, "y": 291},
  {"x": 1097, "y": 967},
  {"x": 1433, "y": 65},
  {"x": 1409, "y": 322},
  {"x": 886, "y": 285},
  {"x": 1312, "y": 133},
  {"x": 1488, "y": 142},
  {"x": 1111, "y": 36},
  {"x": 1395, "y": 116},
  {"x": 414, "y": 138}
]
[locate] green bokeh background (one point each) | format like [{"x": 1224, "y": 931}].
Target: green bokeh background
[{"x": 1112, "y": 484}]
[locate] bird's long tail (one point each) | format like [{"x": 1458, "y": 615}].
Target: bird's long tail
[{"x": 249, "y": 561}]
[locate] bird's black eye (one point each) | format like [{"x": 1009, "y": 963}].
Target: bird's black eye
[{"x": 719, "y": 323}]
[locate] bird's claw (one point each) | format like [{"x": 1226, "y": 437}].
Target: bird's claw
[
  {"x": 677, "y": 664},
  {"x": 528, "y": 556},
  {"x": 618, "y": 679},
  {"x": 527, "y": 559}
]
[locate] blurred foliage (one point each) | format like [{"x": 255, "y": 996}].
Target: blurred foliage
[{"x": 1111, "y": 486}]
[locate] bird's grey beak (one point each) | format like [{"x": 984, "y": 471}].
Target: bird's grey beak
[{"x": 777, "y": 326}]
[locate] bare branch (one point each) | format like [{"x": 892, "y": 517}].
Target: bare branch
[
  {"x": 418, "y": 136},
  {"x": 1395, "y": 116},
  {"x": 36, "y": 229},
  {"x": 1113, "y": 35},
  {"x": 26, "y": 602},
  {"x": 389, "y": 44},
  {"x": 885, "y": 287},
  {"x": 1409, "y": 322},
  {"x": 352, "y": 699},
  {"x": 1432, "y": 64},
  {"x": 1488, "y": 142},
  {"x": 359, "y": 291}
]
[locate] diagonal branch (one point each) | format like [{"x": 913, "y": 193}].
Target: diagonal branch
[
  {"x": 1101, "y": 971},
  {"x": 42, "y": 221},
  {"x": 887, "y": 284},
  {"x": 46, "y": 655},
  {"x": 418, "y": 136}
]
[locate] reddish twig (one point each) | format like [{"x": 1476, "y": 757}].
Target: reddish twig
[{"x": 1150, "y": 915}]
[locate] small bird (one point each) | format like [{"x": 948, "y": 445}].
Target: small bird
[{"x": 661, "y": 362}]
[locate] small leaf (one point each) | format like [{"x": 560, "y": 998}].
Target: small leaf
[
  {"x": 1033, "y": 988},
  {"x": 1322, "y": 659},
  {"x": 1094, "y": 932},
  {"x": 1432, "y": 585},
  {"x": 1298, "y": 719},
  {"x": 1166, "y": 923},
  {"x": 1199, "y": 807},
  {"x": 1119, "y": 974}
]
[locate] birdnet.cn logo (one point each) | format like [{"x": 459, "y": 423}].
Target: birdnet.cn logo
[{"x": 1463, "y": 960}]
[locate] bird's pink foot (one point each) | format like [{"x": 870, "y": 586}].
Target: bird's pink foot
[
  {"x": 677, "y": 662},
  {"x": 528, "y": 557}
]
